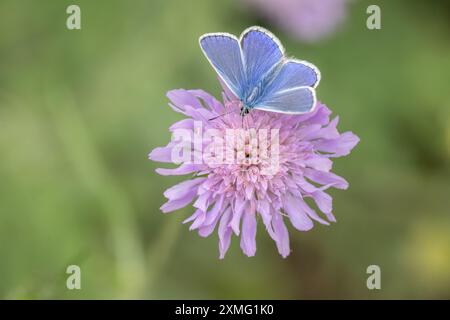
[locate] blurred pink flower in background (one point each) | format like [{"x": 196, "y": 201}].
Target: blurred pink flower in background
[
  {"x": 306, "y": 20},
  {"x": 232, "y": 196}
]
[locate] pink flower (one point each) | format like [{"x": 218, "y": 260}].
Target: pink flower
[
  {"x": 229, "y": 196},
  {"x": 307, "y": 20}
]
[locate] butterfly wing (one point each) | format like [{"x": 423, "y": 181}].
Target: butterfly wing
[
  {"x": 291, "y": 90},
  {"x": 224, "y": 53},
  {"x": 295, "y": 101},
  {"x": 293, "y": 74},
  {"x": 262, "y": 52}
]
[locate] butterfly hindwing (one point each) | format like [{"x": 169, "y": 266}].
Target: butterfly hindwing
[
  {"x": 293, "y": 74},
  {"x": 292, "y": 89},
  {"x": 294, "y": 101}
]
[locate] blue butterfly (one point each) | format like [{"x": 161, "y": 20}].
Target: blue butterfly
[{"x": 257, "y": 72}]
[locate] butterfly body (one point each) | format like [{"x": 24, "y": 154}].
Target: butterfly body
[{"x": 256, "y": 71}]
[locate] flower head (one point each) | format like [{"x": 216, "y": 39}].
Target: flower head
[{"x": 230, "y": 193}]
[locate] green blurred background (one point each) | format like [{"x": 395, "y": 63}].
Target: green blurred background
[{"x": 80, "y": 110}]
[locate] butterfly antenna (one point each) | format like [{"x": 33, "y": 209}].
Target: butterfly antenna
[{"x": 221, "y": 115}]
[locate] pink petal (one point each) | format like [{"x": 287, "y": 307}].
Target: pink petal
[
  {"x": 263, "y": 208},
  {"x": 321, "y": 115},
  {"x": 338, "y": 147},
  {"x": 200, "y": 114},
  {"x": 182, "y": 98},
  {"x": 185, "y": 168},
  {"x": 323, "y": 201},
  {"x": 193, "y": 216},
  {"x": 207, "y": 229},
  {"x": 318, "y": 162},
  {"x": 182, "y": 124},
  {"x": 281, "y": 235},
  {"x": 248, "y": 237},
  {"x": 328, "y": 132},
  {"x": 173, "y": 205},
  {"x": 161, "y": 154},
  {"x": 209, "y": 100},
  {"x": 327, "y": 178},
  {"x": 311, "y": 213},
  {"x": 198, "y": 220},
  {"x": 202, "y": 202},
  {"x": 224, "y": 233},
  {"x": 306, "y": 132},
  {"x": 298, "y": 217},
  {"x": 212, "y": 214},
  {"x": 237, "y": 214},
  {"x": 304, "y": 185},
  {"x": 183, "y": 188},
  {"x": 330, "y": 217}
]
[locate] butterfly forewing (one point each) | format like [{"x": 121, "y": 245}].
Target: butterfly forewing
[
  {"x": 224, "y": 54},
  {"x": 261, "y": 54}
]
